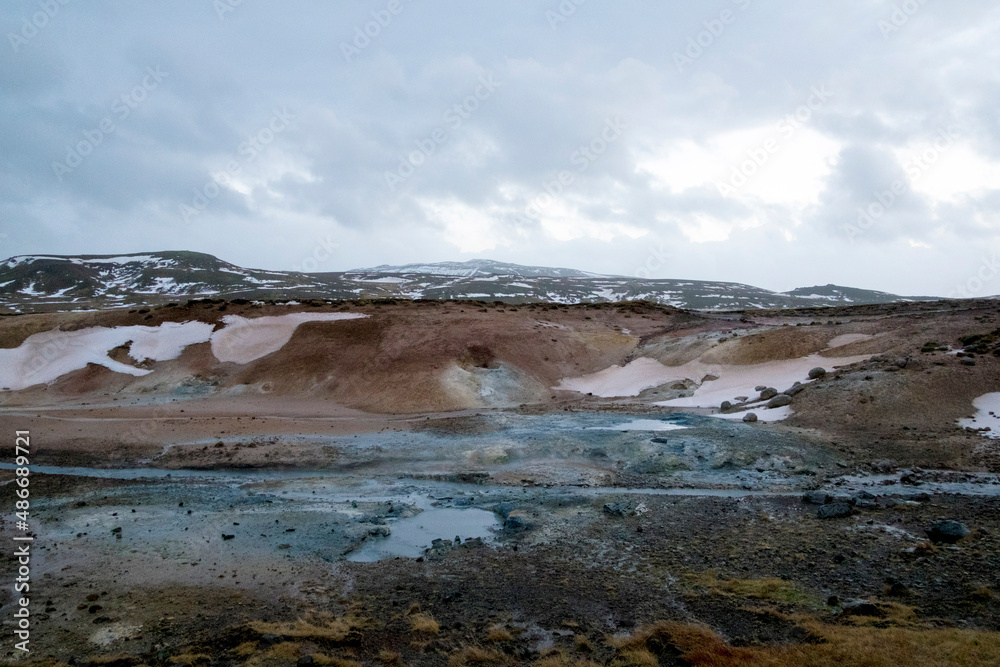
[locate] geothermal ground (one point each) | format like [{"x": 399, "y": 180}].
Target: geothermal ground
[{"x": 462, "y": 483}]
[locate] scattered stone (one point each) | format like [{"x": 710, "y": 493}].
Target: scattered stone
[
  {"x": 794, "y": 389},
  {"x": 817, "y": 373},
  {"x": 885, "y": 466},
  {"x": 833, "y": 601},
  {"x": 227, "y": 537},
  {"x": 503, "y": 509},
  {"x": 768, "y": 393},
  {"x": 760, "y": 387},
  {"x": 780, "y": 401},
  {"x": 726, "y": 406},
  {"x": 861, "y": 608},
  {"x": 379, "y": 531},
  {"x": 836, "y": 510},
  {"x": 816, "y": 497},
  {"x": 750, "y": 417},
  {"x": 616, "y": 509},
  {"x": 515, "y": 522},
  {"x": 116, "y": 530},
  {"x": 947, "y": 531}
]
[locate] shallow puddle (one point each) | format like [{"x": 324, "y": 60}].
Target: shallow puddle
[{"x": 411, "y": 536}]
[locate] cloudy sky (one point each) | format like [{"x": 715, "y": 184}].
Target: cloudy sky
[{"x": 770, "y": 142}]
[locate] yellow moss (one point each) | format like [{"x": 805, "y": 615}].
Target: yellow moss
[
  {"x": 424, "y": 624},
  {"x": 639, "y": 657},
  {"x": 582, "y": 643}
]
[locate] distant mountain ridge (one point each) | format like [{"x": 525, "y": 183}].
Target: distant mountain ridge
[
  {"x": 33, "y": 283},
  {"x": 474, "y": 267}
]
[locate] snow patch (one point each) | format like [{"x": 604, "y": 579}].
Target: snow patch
[
  {"x": 244, "y": 340},
  {"x": 987, "y": 415},
  {"x": 46, "y": 356}
]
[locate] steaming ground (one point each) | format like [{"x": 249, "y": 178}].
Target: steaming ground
[{"x": 604, "y": 487}]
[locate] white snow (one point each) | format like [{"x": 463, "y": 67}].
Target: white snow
[
  {"x": 244, "y": 340},
  {"x": 45, "y": 356},
  {"x": 734, "y": 380},
  {"x": 987, "y": 415},
  {"x": 387, "y": 279},
  {"x": 763, "y": 414},
  {"x": 640, "y": 425},
  {"x": 741, "y": 380},
  {"x": 122, "y": 260}
]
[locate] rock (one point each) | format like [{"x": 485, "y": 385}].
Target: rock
[
  {"x": 515, "y": 522},
  {"x": 837, "y": 510},
  {"x": 816, "y": 373},
  {"x": 794, "y": 389},
  {"x": 227, "y": 537},
  {"x": 947, "y": 531},
  {"x": 780, "y": 401},
  {"x": 726, "y": 406},
  {"x": 116, "y": 530},
  {"x": 503, "y": 509},
  {"x": 833, "y": 601},
  {"x": 616, "y": 509},
  {"x": 816, "y": 497},
  {"x": 379, "y": 531},
  {"x": 304, "y": 660},
  {"x": 885, "y": 466},
  {"x": 750, "y": 417},
  {"x": 861, "y": 608},
  {"x": 768, "y": 393},
  {"x": 760, "y": 387}
]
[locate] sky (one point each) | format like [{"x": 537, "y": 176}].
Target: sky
[{"x": 775, "y": 143}]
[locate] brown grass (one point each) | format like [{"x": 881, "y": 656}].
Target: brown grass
[
  {"x": 498, "y": 633},
  {"x": 190, "y": 659},
  {"x": 474, "y": 656},
  {"x": 390, "y": 657},
  {"x": 424, "y": 624},
  {"x": 335, "y": 630},
  {"x": 841, "y": 645},
  {"x": 770, "y": 589},
  {"x": 562, "y": 660}
]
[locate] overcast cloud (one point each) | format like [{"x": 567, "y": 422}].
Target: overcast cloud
[{"x": 775, "y": 143}]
